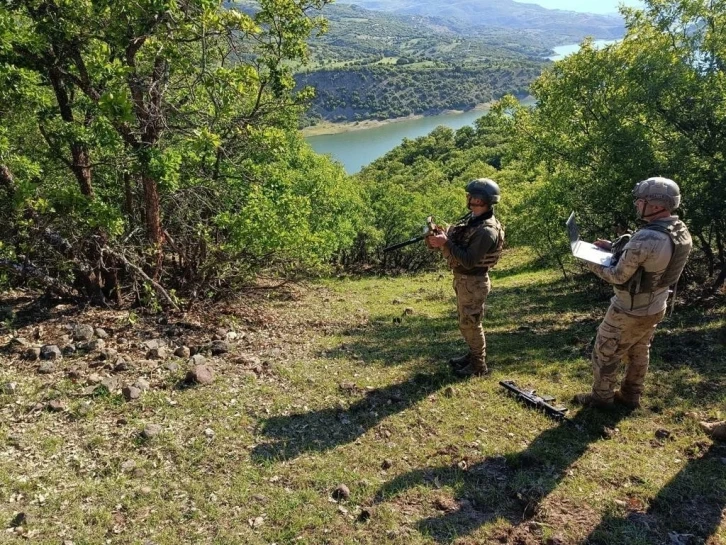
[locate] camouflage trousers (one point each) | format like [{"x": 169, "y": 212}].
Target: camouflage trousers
[
  {"x": 622, "y": 336},
  {"x": 471, "y": 295}
]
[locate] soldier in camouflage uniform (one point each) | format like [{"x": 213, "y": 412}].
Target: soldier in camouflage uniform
[
  {"x": 472, "y": 248},
  {"x": 642, "y": 270}
]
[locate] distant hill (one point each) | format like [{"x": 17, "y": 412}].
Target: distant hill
[{"x": 505, "y": 14}]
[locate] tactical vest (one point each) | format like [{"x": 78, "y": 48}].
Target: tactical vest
[
  {"x": 643, "y": 281},
  {"x": 460, "y": 235}
]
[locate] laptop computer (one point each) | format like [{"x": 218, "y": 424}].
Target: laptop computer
[{"x": 586, "y": 250}]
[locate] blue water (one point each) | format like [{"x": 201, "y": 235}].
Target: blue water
[
  {"x": 355, "y": 149},
  {"x": 585, "y": 6},
  {"x": 562, "y": 51}
]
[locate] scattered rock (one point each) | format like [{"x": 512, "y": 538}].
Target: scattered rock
[
  {"x": 131, "y": 392},
  {"x": 152, "y": 344},
  {"x": 197, "y": 359},
  {"x": 120, "y": 365},
  {"x": 397, "y": 301},
  {"x": 209, "y": 432},
  {"x": 56, "y": 406},
  {"x": 108, "y": 354},
  {"x": 182, "y": 352},
  {"x": 171, "y": 366},
  {"x": 142, "y": 384},
  {"x": 662, "y": 434},
  {"x": 231, "y": 336},
  {"x": 94, "y": 378},
  {"x": 82, "y": 332},
  {"x": 145, "y": 490},
  {"x": 128, "y": 466},
  {"x": 96, "y": 344},
  {"x": 219, "y": 347},
  {"x": 365, "y": 514},
  {"x": 151, "y": 430},
  {"x": 9, "y": 388},
  {"x": 69, "y": 349},
  {"x": 46, "y": 368},
  {"x": 74, "y": 374},
  {"x": 555, "y": 540},
  {"x": 256, "y": 522},
  {"x": 101, "y": 333},
  {"x": 447, "y": 504},
  {"x": 248, "y": 360},
  {"x": 17, "y": 345},
  {"x": 50, "y": 352},
  {"x": 32, "y": 353},
  {"x": 90, "y": 390},
  {"x": 19, "y": 520},
  {"x": 200, "y": 374},
  {"x": 342, "y": 492},
  {"x": 387, "y": 464},
  {"x": 408, "y": 311},
  {"x": 158, "y": 353},
  {"x": 110, "y": 383}
]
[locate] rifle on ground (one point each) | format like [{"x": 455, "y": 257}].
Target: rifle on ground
[
  {"x": 537, "y": 402},
  {"x": 429, "y": 229}
]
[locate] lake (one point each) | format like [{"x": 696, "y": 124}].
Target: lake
[
  {"x": 355, "y": 149},
  {"x": 561, "y": 51}
]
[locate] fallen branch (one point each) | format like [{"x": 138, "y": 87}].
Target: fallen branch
[
  {"x": 135, "y": 269},
  {"x": 53, "y": 284}
]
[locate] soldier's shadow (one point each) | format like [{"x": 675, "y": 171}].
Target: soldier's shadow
[
  {"x": 504, "y": 487},
  {"x": 322, "y": 430},
  {"x": 687, "y": 511}
]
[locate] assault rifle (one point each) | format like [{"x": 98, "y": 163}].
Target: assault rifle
[
  {"x": 429, "y": 229},
  {"x": 537, "y": 402}
]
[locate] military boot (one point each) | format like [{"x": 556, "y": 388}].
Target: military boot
[
  {"x": 461, "y": 361},
  {"x": 629, "y": 401},
  {"x": 715, "y": 430},
  {"x": 589, "y": 400},
  {"x": 476, "y": 368}
]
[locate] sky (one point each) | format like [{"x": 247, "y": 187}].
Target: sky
[{"x": 587, "y": 6}]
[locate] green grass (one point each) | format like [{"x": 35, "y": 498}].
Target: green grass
[{"x": 347, "y": 385}]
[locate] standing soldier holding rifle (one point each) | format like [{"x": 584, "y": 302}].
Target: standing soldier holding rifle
[{"x": 471, "y": 248}]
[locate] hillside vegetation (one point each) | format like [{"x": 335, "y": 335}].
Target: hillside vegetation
[
  {"x": 506, "y": 14},
  {"x": 345, "y": 383}
]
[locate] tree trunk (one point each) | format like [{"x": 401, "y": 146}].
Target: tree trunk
[
  {"x": 80, "y": 164},
  {"x": 7, "y": 180},
  {"x": 154, "y": 231}
]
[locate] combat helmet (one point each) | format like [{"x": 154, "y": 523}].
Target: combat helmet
[
  {"x": 484, "y": 189},
  {"x": 659, "y": 191}
]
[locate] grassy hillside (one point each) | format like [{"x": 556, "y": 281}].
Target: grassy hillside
[{"x": 344, "y": 383}]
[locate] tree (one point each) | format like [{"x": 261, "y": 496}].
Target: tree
[
  {"x": 649, "y": 105},
  {"x": 163, "y": 111}
]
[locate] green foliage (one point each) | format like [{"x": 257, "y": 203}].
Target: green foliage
[
  {"x": 651, "y": 105},
  {"x": 383, "y": 92},
  {"x": 423, "y": 177},
  {"x": 165, "y": 128}
]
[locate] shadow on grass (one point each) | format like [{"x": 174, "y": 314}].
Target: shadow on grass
[
  {"x": 417, "y": 338},
  {"x": 510, "y": 487},
  {"x": 327, "y": 428},
  {"x": 396, "y": 340},
  {"x": 687, "y": 511}
]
